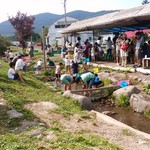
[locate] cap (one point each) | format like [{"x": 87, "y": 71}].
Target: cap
[{"x": 19, "y": 54}]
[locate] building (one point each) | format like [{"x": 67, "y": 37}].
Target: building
[{"x": 55, "y": 37}]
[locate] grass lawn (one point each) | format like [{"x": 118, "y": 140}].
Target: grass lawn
[{"x": 17, "y": 95}]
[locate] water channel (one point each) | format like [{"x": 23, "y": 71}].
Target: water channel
[{"x": 125, "y": 115}]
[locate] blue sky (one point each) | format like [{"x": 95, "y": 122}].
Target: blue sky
[{"x": 32, "y": 7}]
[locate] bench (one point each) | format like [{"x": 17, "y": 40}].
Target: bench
[{"x": 146, "y": 63}]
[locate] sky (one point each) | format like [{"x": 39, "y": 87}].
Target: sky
[{"x": 33, "y": 7}]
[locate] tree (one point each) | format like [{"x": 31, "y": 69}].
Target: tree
[
  {"x": 145, "y": 2},
  {"x": 4, "y": 43},
  {"x": 23, "y": 26}
]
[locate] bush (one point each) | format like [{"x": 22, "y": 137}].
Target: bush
[
  {"x": 4, "y": 43},
  {"x": 146, "y": 88},
  {"x": 123, "y": 101}
]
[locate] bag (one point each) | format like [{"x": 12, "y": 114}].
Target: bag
[{"x": 124, "y": 46}]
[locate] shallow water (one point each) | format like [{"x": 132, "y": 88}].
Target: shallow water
[{"x": 125, "y": 115}]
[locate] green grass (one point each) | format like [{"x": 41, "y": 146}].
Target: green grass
[
  {"x": 18, "y": 94},
  {"x": 127, "y": 132},
  {"x": 147, "y": 113},
  {"x": 122, "y": 101}
]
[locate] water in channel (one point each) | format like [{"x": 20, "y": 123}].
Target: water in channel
[{"x": 125, "y": 115}]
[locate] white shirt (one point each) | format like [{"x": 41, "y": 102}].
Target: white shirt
[
  {"x": 67, "y": 62},
  {"x": 77, "y": 58},
  {"x": 19, "y": 64},
  {"x": 109, "y": 44},
  {"x": 39, "y": 63},
  {"x": 11, "y": 55},
  {"x": 92, "y": 51},
  {"x": 11, "y": 73}
]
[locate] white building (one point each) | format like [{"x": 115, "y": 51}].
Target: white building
[{"x": 55, "y": 37}]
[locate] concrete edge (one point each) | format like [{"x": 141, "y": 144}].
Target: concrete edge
[
  {"x": 141, "y": 70},
  {"x": 120, "y": 124}
]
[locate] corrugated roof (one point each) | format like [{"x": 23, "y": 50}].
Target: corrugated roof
[{"x": 136, "y": 18}]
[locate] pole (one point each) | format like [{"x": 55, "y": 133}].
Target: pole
[
  {"x": 43, "y": 42},
  {"x": 65, "y": 13},
  {"x": 65, "y": 36}
]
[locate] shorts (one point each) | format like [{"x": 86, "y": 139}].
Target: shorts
[
  {"x": 16, "y": 76},
  {"x": 117, "y": 53},
  {"x": 97, "y": 83},
  {"x": 90, "y": 83},
  {"x": 67, "y": 67},
  {"x": 57, "y": 76},
  {"x": 137, "y": 53}
]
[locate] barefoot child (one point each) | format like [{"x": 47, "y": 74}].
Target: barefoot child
[
  {"x": 57, "y": 74},
  {"x": 12, "y": 74}
]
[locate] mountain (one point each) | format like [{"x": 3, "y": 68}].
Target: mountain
[{"x": 46, "y": 19}]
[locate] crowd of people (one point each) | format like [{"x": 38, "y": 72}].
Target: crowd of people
[{"x": 119, "y": 49}]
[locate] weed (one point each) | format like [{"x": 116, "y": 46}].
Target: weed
[
  {"x": 147, "y": 113},
  {"x": 123, "y": 101},
  {"x": 127, "y": 132},
  {"x": 106, "y": 82},
  {"x": 146, "y": 88}
]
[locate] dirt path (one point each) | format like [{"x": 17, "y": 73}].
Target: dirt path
[{"x": 120, "y": 136}]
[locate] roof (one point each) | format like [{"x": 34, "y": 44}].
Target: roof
[{"x": 137, "y": 18}]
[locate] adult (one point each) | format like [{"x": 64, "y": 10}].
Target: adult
[
  {"x": 67, "y": 80},
  {"x": 124, "y": 51},
  {"x": 138, "y": 47},
  {"x": 31, "y": 51},
  {"x": 109, "y": 48},
  {"x": 118, "y": 46}
]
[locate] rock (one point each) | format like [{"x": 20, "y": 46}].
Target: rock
[
  {"x": 14, "y": 114},
  {"x": 140, "y": 102},
  {"x": 109, "y": 113},
  {"x": 84, "y": 101},
  {"x": 51, "y": 136},
  {"x": 127, "y": 91},
  {"x": 3, "y": 102},
  {"x": 36, "y": 133},
  {"x": 103, "y": 75}
]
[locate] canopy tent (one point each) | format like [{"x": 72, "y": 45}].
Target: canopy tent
[{"x": 137, "y": 18}]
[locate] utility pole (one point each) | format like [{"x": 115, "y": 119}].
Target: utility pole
[
  {"x": 65, "y": 13},
  {"x": 65, "y": 35},
  {"x": 43, "y": 42}
]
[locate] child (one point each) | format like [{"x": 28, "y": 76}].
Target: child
[
  {"x": 12, "y": 74},
  {"x": 74, "y": 68},
  {"x": 93, "y": 53},
  {"x": 57, "y": 74},
  {"x": 67, "y": 65},
  {"x": 67, "y": 80},
  {"x": 97, "y": 81}
]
